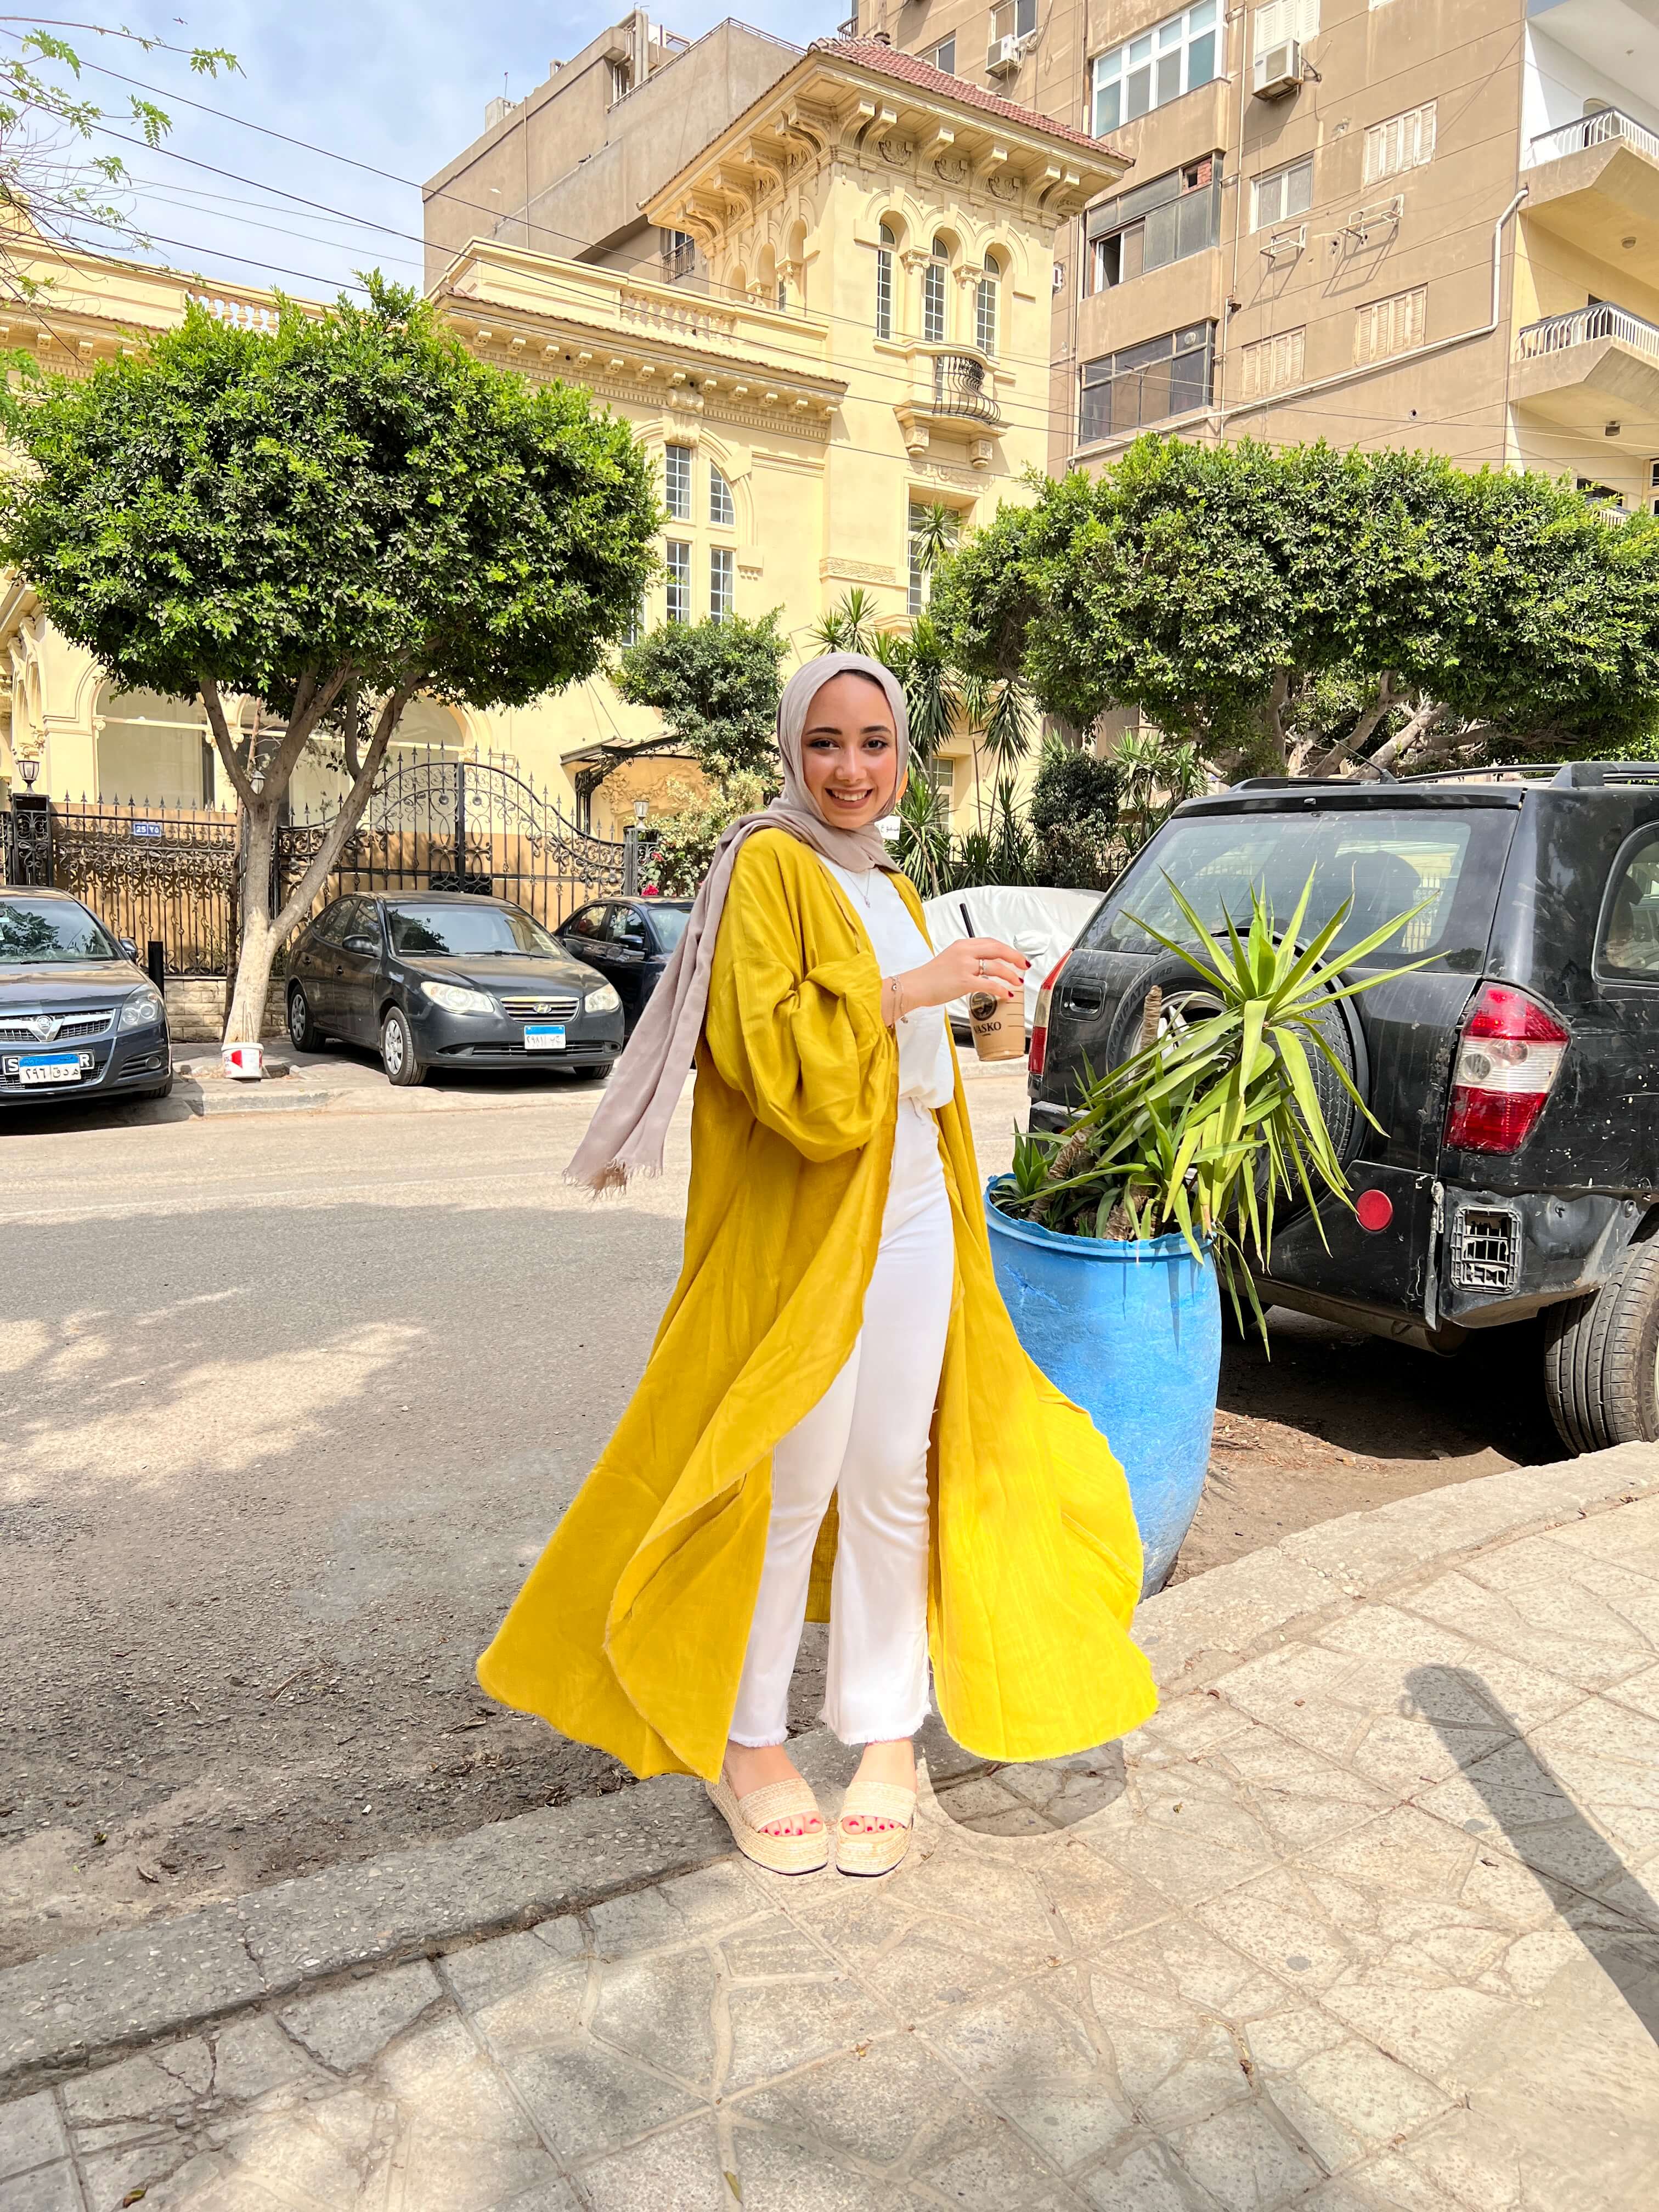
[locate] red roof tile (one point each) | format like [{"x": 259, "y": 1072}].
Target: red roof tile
[{"x": 910, "y": 69}]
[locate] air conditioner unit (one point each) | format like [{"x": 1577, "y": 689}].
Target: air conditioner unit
[
  {"x": 1005, "y": 56},
  {"x": 1277, "y": 70}
]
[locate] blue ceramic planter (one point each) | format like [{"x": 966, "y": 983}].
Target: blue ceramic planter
[{"x": 1131, "y": 1332}]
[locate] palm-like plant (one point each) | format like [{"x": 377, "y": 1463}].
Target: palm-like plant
[{"x": 1205, "y": 1128}]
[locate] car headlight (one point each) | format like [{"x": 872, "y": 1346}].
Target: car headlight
[
  {"x": 458, "y": 999},
  {"x": 142, "y": 1010},
  {"x": 602, "y": 999}
]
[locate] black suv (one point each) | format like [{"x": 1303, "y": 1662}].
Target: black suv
[{"x": 1514, "y": 1073}]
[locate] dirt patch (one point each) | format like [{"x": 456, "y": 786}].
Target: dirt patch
[{"x": 1327, "y": 1421}]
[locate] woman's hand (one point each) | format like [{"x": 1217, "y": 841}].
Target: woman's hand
[{"x": 972, "y": 964}]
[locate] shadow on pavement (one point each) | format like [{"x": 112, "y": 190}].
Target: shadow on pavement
[{"x": 1548, "y": 1832}]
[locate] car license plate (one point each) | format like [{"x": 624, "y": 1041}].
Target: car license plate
[
  {"x": 39, "y": 1068},
  {"x": 543, "y": 1036}
]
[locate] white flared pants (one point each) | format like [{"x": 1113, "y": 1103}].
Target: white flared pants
[{"x": 865, "y": 1443}]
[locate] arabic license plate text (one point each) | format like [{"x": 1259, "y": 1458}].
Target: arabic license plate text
[
  {"x": 39, "y": 1068},
  {"x": 543, "y": 1036}
]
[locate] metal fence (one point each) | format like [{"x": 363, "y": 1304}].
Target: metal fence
[
  {"x": 155, "y": 874},
  {"x": 170, "y": 874}
]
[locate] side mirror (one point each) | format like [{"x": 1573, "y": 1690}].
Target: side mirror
[
  {"x": 360, "y": 944},
  {"x": 128, "y": 947}
]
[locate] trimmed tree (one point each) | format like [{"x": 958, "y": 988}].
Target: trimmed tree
[
  {"x": 1306, "y": 610},
  {"x": 716, "y": 684},
  {"x": 329, "y": 519}
]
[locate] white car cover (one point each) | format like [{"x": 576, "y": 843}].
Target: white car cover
[{"x": 1041, "y": 924}]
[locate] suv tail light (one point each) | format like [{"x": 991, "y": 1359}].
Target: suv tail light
[
  {"x": 1508, "y": 1057},
  {"x": 1039, "y": 1048}
]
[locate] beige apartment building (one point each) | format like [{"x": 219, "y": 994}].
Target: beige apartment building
[{"x": 1400, "y": 222}]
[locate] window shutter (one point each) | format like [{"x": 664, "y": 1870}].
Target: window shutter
[
  {"x": 1385, "y": 327},
  {"x": 1271, "y": 364}
]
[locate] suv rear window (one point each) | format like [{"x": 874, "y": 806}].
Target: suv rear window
[{"x": 1386, "y": 863}]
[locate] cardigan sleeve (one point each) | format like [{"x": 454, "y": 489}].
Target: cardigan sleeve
[{"x": 802, "y": 1040}]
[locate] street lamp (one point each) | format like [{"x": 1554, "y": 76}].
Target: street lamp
[
  {"x": 28, "y": 767},
  {"x": 640, "y": 810}
]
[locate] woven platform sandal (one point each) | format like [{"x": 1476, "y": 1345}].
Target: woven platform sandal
[
  {"x": 874, "y": 1850},
  {"x": 747, "y": 1817}
]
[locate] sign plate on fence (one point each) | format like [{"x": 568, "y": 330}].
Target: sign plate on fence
[{"x": 146, "y": 829}]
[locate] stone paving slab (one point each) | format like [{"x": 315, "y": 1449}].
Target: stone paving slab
[{"x": 1365, "y": 1917}]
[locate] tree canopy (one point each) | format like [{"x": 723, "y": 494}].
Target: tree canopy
[
  {"x": 349, "y": 508},
  {"x": 1304, "y": 608},
  {"x": 716, "y": 684}
]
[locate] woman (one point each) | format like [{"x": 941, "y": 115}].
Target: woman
[{"x": 837, "y": 1417}]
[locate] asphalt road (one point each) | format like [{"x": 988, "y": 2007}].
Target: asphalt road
[{"x": 289, "y": 1402}]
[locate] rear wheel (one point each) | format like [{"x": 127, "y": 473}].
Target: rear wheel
[
  {"x": 398, "y": 1050},
  {"x": 303, "y": 1033},
  {"x": 1602, "y": 1358}
]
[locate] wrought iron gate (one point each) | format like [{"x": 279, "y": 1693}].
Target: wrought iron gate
[
  {"x": 469, "y": 826},
  {"x": 152, "y": 874}
]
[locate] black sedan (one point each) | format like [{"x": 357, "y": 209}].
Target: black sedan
[
  {"x": 448, "y": 979},
  {"x": 78, "y": 1016},
  {"x": 629, "y": 941}
]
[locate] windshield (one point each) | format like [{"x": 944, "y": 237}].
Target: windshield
[
  {"x": 670, "y": 924},
  {"x": 1386, "y": 863},
  {"x": 466, "y": 929},
  {"x": 34, "y": 930}
]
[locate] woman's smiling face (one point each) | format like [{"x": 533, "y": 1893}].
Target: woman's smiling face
[{"x": 849, "y": 752}]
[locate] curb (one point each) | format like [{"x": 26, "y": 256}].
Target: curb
[
  {"x": 215, "y": 1099},
  {"x": 94, "y": 2000}
]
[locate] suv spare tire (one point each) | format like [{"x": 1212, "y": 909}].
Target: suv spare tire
[{"x": 1187, "y": 995}]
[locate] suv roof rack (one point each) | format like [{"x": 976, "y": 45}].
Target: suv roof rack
[{"x": 1562, "y": 775}]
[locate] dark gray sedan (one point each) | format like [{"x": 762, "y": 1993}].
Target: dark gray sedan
[
  {"x": 448, "y": 979},
  {"x": 78, "y": 1016}
]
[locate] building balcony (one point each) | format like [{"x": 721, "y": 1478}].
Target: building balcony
[
  {"x": 1594, "y": 182},
  {"x": 953, "y": 389},
  {"x": 1595, "y": 366}
]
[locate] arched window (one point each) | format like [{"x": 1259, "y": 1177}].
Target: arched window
[
  {"x": 720, "y": 507},
  {"x": 932, "y": 293},
  {"x": 884, "y": 282},
  {"x": 985, "y": 306}
]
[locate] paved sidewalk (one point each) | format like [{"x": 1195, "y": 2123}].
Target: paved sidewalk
[{"x": 1365, "y": 1918}]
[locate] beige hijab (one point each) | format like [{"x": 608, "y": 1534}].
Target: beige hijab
[{"x": 628, "y": 1132}]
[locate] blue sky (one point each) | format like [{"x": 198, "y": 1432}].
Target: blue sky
[{"x": 399, "y": 88}]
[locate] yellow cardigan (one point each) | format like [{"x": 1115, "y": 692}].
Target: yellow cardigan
[{"x": 630, "y": 1631}]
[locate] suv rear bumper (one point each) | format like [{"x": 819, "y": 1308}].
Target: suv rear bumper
[{"x": 1452, "y": 1258}]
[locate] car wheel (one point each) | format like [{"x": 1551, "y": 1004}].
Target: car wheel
[
  {"x": 162, "y": 1090},
  {"x": 398, "y": 1050},
  {"x": 1602, "y": 1358},
  {"x": 303, "y": 1033}
]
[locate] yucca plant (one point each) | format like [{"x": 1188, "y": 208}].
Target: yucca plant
[{"x": 1211, "y": 1122}]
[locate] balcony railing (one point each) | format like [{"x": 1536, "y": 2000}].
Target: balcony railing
[
  {"x": 959, "y": 388},
  {"x": 1586, "y": 131},
  {"x": 1585, "y": 326}
]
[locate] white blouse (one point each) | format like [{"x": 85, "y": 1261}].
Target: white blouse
[{"x": 926, "y": 1073}]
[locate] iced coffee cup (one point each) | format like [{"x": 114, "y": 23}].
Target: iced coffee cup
[{"x": 999, "y": 1025}]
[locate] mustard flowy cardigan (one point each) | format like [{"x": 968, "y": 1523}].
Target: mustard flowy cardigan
[{"x": 630, "y": 1631}]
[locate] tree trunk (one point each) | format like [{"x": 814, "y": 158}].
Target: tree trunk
[
  {"x": 262, "y": 935},
  {"x": 257, "y": 953}
]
